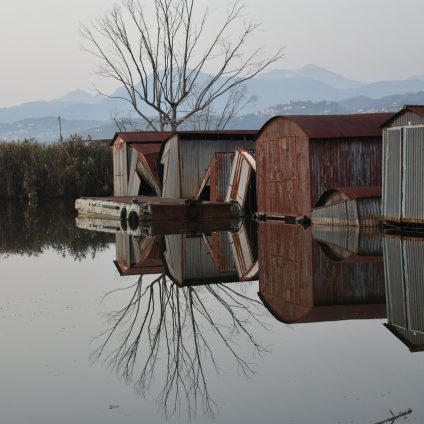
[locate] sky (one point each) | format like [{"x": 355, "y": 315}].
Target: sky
[{"x": 41, "y": 54}]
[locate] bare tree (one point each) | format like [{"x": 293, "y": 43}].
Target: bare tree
[
  {"x": 162, "y": 62},
  {"x": 176, "y": 330}
]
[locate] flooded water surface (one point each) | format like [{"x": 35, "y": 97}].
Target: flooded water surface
[{"x": 254, "y": 323}]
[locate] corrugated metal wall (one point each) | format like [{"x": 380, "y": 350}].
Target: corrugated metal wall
[
  {"x": 352, "y": 162},
  {"x": 120, "y": 170},
  {"x": 407, "y": 118},
  {"x": 413, "y": 173},
  {"x": 282, "y": 172},
  {"x": 392, "y": 154},
  {"x": 220, "y": 175},
  {"x": 403, "y": 194},
  {"x": 171, "y": 187},
  {"x": 195, "y": 157}
]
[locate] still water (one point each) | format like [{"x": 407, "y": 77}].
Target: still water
[{"x": 103, "y": 327}]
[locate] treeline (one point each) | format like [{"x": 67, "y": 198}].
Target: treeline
[{"x": 67, "y": 169}]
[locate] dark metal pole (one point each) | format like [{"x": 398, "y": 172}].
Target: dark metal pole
[{"x": 60, "y": 130}]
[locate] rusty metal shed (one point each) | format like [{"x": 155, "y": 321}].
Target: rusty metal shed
[
  {"x": 403, "y": 171},
  {"x": 135, "y": 157},
  {"x": 349, "y": 206},
  {"x": 298, "y": 282},
  {"x": 300, "y": 157},
  {"x": 186, "y": 157}
]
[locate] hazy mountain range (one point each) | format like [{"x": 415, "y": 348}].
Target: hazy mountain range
[{"x": 309, "y": 90}]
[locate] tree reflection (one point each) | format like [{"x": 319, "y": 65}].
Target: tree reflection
[
  {"x": 178, "y": 330},
  {"x": 30, "y": 229}
]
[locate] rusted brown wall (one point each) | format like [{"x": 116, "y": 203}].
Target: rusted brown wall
[
  {"x": 282, "y": 172},
  {"x": 345, "y": 163}
]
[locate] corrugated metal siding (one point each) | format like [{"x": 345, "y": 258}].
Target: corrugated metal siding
[
  {"x": 220, "y": 175},
  {"x": 392, "y": 146},
  {"x": 338, "y": 214},
  {"x": 407, "y": 118},
  {"x": 282, "y": 172},
  {"x": 413, "y": 174},
  {"x": 369, "y": 212},
  {"x": 120, "y": 170},
  {"x": 171, "y": 174},
  {"x": 195, "y": 157},
  {"x": 344, "y": 163}
]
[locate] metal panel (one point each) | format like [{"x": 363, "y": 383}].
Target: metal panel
[
  {"x": 354, "y": 162},
  {"x": 133, "y": 178},
  {"x": 120, "y": 173},
  {"x": 407, "y": 117},
  {"x": 413, "y": 175},
  {"x": 195, "y": 157},
  {"x": 171, "y": 174},
  {"x": 220, "y": 175},
  {"x": 239, "y": 183},
  {"x": 392, "y": 169}
]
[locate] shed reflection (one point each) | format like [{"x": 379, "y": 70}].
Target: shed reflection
[
  {"x": 301, "y": 280},
  {"x": 404, "y": 266}
]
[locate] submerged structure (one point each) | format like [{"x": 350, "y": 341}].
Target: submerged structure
[{"x": 301, "y": 157}]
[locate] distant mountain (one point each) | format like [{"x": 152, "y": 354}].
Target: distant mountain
[
  {"x": 308, "y": 90},
  {"x": 316, "y": 73}
]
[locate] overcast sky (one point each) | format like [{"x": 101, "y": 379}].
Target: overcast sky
[{"x": 368, "y": 40}]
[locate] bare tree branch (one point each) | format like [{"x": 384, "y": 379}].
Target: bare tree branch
[{"x": 162, "y": 67}]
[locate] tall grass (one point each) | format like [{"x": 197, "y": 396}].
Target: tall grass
[{"x": 68, "y": 169}]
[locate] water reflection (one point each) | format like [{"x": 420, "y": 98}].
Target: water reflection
[
  {"x": 404, "y": 267},
  {"x": 191, "y": 309},
  {"x": 180, "y": 328},
  {"x": 30, "y": 229}
]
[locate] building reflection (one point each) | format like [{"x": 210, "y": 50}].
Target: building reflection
[
  {"x": 189, "y": 301},
  {"x": 305, "y": 280},
  {"x": 404, "y": 268}
]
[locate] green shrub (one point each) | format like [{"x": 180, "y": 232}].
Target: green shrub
[{"x": 68, "y": 169}]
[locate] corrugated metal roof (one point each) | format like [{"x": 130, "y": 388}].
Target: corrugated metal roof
[
  {"x": 142, "y": 136},
  {"x": 418, "y": 109},
  {"x": 338, "y": 126},
  {"x": 352, "y": 193}
]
